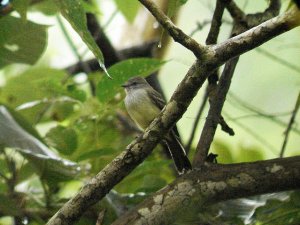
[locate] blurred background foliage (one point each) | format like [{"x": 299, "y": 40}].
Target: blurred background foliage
[{"x": 60, "y": 127}]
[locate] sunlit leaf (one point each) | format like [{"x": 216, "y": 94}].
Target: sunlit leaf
[
  {"x": 128, "y": 8},
  {"x": 122, "y": 71},
  {"x": 74, "y": 12},
  {"x": 15, "y": 36}
]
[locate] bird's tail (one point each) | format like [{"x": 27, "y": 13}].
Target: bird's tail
[{"x": 178, "y": 153}]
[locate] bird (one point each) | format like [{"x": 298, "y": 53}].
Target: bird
[{"x": 143, "y": 104}]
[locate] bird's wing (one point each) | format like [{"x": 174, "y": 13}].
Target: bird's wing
[{"x": 157, "y": 99}]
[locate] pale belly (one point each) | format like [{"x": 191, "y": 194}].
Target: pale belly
[{"x": 141, "y": 109}]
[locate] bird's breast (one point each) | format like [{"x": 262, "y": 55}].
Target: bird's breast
[{"x": 140, "y": 108}]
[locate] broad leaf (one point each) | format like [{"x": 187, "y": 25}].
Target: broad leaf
[
  {"x": 122, "y": 71},
  {"x": 128, "y": 8},
  {"x": 21, "y": 42},
  {"x": 74, "y": 12},
  {"x": 48, "y": 164},
  {"x": 21, "y": 7},
  {"x": 44, "y": 91}
]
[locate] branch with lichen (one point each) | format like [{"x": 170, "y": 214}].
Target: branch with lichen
[{"x": 213, "y": 183}]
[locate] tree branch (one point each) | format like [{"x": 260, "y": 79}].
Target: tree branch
[
  {"x": 257, "y": 35},
  {"x": 177, "y": 34},
  {"x": 213, "y": 183},
  {"x": 139, "y": 149},
  {"x": 214, "y": 113}
]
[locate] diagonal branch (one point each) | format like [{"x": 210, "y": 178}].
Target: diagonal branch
[
  {"x": 177, "y": 34},
  {"x": 214, "y": 113}
]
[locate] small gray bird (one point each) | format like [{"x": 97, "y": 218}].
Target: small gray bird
[{"x": 143, "y": 104}]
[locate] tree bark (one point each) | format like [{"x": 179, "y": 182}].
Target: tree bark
[{"x": 214, "y": 183}]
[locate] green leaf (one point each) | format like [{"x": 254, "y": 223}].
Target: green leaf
[
  {"x": 128, "y": 8},
  {"x": 91, "y": 7},
  {"x": 122, "y": 71},
  {"x": 44, "y": 91},
  {"x": 47, "y": 7},
  {"x": 21, "y": 7},
  {"x": 63, "y": 139},
  {"x": 46, "y": 162},
  {"x": 74, "y": 12},
  {"x": 21, "y": 42}
]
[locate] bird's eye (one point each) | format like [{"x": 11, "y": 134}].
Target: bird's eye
[{"x": 134, "y": 83}]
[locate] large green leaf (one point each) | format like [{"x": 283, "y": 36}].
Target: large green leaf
[
  {"x": 43, "y": 90},
  {"x": 74, "y": 12},
  {"x": 21, "y": 42},
  {"x": 21, "y": 7},
  {"x": 122, "y": 71},
  {"x": 128, "y": 8},
  {"x": 48, "y": 164}
]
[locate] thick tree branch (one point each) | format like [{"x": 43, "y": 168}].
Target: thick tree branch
[
  {"x": 139, "y": 149},
  {"x": 213, "y": 183},
  {"x": 177, "y": 34}
]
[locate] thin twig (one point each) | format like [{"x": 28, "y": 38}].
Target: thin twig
[
  {"x": 259, "y": 112},
  {"x": 281, "y": 61},
  {"x": 177, "y": 34},
  {"x": 288, "y": 129}
]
